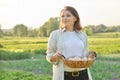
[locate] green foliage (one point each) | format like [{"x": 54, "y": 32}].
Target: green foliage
[
  {"x": 33, "y": 33},
  {"x": 111, "y": 57},
  {"x": 6, "y": 55},
  {"x": 42, "y": 32},
  {"x": 1, "y": 46},
  {"x": 105, "y": 45},
  {"x": 47, "y": 27},
  {"x": 107, "y": 35},
  {"x": 43, "y": 51},
  {"x": 106, "y": 66},
  {"x": 102, "y": 43},
  {"x": 21, "y": 75},
  {"x": 104, "y": 69},
  {"x": 7, "y": 32},
  {"x": 37, "y": 64},
  {"x": 1, "y": 66},
  {"x": 20, "y": 30},
  {"x": 113, "y": 29},
  {"x": 1, "y": 32},
  {"x": 26, "y": 44},
  {"x": 103, "y": 28},
  {"x": 88, "y": 31}
]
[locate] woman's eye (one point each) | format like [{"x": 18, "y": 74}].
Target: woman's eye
[
  {"x": 62, "y": 16},
  {"x": 65, "y": 16},
  {"x": 68, "y": 15}
]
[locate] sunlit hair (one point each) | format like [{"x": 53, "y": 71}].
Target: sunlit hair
[{"x": 77, "y": 24}]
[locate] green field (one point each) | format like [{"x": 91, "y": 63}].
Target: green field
[{"x": 35, "y": 67}]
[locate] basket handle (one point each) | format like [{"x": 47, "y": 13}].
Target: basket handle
[{"x": 63, "y": 56}]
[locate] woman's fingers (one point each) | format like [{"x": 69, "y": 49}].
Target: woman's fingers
[
  {"x": 55, "y": 57},
  {"x": 92, "y": 54}
]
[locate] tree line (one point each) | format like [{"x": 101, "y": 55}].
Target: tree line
[{"x": 21, "y": 30}]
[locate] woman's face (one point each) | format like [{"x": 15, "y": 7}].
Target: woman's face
[{"x": 67, "y": 19}]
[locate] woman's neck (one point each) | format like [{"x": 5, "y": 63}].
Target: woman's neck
[{"x": 70, "y": 29}]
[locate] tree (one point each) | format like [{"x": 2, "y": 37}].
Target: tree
[
  {"x": 1, "y": 32},
  {"x": 42, "y": 32},
  {"x": 48, "y": 27},
  {"x": 7, "y": 32},
  {"x": 20, "y": 30},
  {"x": 32, "y": 32},
  {"x": 101, "y": 28},
  {"x": 88, "y": 31}
]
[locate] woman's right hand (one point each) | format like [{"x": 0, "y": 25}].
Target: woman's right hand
[{"x": 56, "y": 57}]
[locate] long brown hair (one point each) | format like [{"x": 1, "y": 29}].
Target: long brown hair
[{"x": 77, "y": 25}]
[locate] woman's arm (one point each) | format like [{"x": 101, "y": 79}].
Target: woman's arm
[
  {"x": 91, "y": 54},
  {"x": 52, "y": 56},
  {"x": 86, "y": 48}
]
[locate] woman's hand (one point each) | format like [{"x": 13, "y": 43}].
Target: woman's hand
[
  {"x": 56, "y": 57},
  {"x": 91, "y": 54}
]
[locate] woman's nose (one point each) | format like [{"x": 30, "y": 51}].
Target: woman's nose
[{"x": 64, "y": 18}]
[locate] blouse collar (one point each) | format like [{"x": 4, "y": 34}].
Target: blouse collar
[{"x": 77, "y": 31}]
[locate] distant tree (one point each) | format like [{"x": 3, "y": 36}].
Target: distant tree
[
  {"x": 20, "y": 30},
  {"x": 42, "y": 32},
  {"x": 113, "y": 29},
  {"x": 32, "y": 32},
  {"x": 7, "y": 33},
  {"x": 1, "y": 32},
  {"x": 118, "y": 28},
  {"x": 93, "y": 27},
  {"x": 101, "y": 28},
  {"x": 110, "y": 29},
  {"x": 88, "y": 30},
  {"x": 47, "y": 27}
]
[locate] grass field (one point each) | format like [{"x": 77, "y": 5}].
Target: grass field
[{"x": 106, "y": 66}]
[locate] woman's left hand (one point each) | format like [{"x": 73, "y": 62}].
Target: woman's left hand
[{"x": 91, "y": 54}]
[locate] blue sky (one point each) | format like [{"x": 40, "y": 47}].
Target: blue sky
[{"x": 33, "y": 13}]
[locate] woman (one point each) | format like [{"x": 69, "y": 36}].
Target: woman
[{"x": 69, "y": 41}]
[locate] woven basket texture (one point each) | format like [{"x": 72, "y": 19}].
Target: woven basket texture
[{"x": 78, "y": 63}]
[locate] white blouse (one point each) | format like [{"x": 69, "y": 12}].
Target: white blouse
[{"x": 73, "y": 47}]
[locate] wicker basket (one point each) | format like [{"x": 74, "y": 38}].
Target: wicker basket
[{"x": 78, "y": 63}]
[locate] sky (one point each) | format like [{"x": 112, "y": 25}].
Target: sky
[{"x": 34, "y": 13}]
